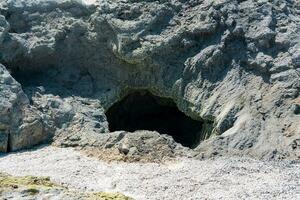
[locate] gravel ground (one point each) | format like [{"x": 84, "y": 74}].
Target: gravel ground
[{"x": 221, "y": 178}]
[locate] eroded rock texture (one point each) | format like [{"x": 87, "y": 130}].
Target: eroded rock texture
[
  {"x": 21, "y": 125},
  {"x": 233, "y": 65}
]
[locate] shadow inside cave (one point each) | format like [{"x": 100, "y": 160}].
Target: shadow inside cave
[{"x": 140, "y": 110}]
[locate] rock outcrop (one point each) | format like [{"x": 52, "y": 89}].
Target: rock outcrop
[
  {"x": 21, "y": 125},
  {"x": 233, "y": 65}
]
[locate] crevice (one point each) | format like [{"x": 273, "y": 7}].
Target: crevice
[{"x": 8, "y": 148}]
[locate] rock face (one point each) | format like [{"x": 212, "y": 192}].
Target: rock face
[
  {"x": 233, "y": 65},
  {"x": 21, "y": 125}
]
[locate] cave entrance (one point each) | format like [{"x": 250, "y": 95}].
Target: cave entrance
[{"x": 141, "y": 110}]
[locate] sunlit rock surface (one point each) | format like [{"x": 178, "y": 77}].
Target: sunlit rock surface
[{"x": 233, "y": 65}]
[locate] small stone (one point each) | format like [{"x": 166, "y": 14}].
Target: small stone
[
  {"x": 124, "y": 149},
  {"x": 296, "y": 109}
]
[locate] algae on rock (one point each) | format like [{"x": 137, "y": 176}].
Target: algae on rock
[{"x": 31, "y": 187}]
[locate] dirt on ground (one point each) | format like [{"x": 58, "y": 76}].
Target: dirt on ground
[{"x": 182, "y": 178}]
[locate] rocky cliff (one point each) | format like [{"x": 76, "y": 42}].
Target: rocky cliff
[{"x": 233, "y": 65}]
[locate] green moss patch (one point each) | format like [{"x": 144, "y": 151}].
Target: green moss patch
[
  {"x": 32, "y": 186},
  {"x": 108, "y": 196},
  {"x": 30, "y": 182}
]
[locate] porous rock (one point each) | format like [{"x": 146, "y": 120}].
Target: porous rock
[
  {"x": 234, "y": 64},
  {"x": 21, "y": 125}
]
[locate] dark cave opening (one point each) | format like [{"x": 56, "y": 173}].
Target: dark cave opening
[{"x": 141, "y": 110}]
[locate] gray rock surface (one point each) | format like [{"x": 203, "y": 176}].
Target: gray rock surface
[
  {"x": 233, "y": 64},
  {"x": 139, "y": 146},
  {"x": 21, "y": 125}
]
